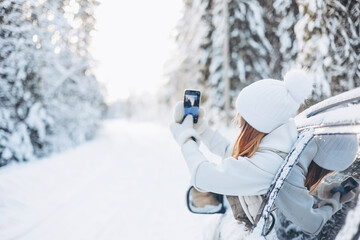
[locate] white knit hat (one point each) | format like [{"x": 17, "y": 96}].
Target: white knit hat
[
  {"x": 269, "y": 103},
  {"x": 336, "y": 152}
]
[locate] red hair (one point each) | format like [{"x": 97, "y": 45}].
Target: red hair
[
  {"x": 315, "y": 175},
  {"x": 248, "y": 140}
]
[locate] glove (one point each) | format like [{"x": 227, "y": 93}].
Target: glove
[
  {"x": 201, "y": 124},
  {"x": 349, "y": 196},
  {"x": 184, "y": 131},
  {"x": 324, "y": 192},
  {"x": 333, "y": 202}
]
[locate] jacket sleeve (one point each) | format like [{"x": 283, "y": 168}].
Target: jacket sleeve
[
  {"x": 230, "y": 177},
  {"x": 216, "y": 142},
  {"x": 297, "y": 205}
]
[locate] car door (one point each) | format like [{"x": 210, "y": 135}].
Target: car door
[{"x": 332, "y": 118}]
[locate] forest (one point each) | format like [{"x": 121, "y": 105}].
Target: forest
[
  {"x": 48, "y": 86},
  {"x": 50, "y": 99},
  {"x": 264, "y": 40}
]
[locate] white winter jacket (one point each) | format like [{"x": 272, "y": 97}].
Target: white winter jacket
[
  {"x": 250, "y": 177},
  {"x": 243, "y": 177}
]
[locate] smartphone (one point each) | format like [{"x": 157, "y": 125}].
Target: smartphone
[
  {"x": 191, "y": 103},
  {"x": 346, "y": 186}
]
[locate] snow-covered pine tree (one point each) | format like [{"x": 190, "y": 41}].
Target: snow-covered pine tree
[
  {"x": 287, "y": 11},
  {"x": 267, "y": 38},
  {"x": 280, "y": 17},
  {"x": 72, "y": 96},
  {"x": 249, "y": 47},
  {"x": 213, "y": 79},
  {"x": 50, "y": 99},
  {"x": 261, "y": 43},
  {"x": 250, "y": 51},
  {"x": 329, "y": 44},
  {"x": 190, "y": 63},
  {"x": 23, "y": 118}
]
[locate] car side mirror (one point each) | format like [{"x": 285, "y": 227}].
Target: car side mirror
[{"x": 204, "y": 202}]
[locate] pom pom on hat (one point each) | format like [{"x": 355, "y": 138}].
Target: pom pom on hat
[{"x": 299, "y": 84}]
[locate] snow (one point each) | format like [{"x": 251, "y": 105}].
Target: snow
[
  {"x": 207, "y": 208},
  {"x": 345, "y": 116},
  {"x": 342, "y": 98},
  {"x": 128, "y": 183},
  {"x": 352, "y": 224},
  {"x": 46, "y": 81}
]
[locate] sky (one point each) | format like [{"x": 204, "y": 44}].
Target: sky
[{"x": 131, "y": 43}]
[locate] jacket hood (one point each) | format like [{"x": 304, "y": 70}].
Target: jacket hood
[{"x": 282, "y": 138}]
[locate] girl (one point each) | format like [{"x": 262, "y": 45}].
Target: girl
[
  {"x": 323, "y": 156},
  {"x": 268, "y": 132}
]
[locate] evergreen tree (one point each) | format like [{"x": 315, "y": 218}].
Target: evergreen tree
[
  {"x": 249, "y": 47},
  {"x": 267, "y": 38},
  {"x": 71, "y": 93},
  {"x": 329, "y": 44},
  {"x": 23, "y": 118},
  {"x": 214, "y": 48},
  {"x": 190, "y": 64},
  {"x": 50, "y": 98},
  {"x": 261, "y": 45},
  {"x": 280, "y": 17}
]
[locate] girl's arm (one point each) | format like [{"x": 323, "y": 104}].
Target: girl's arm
[
  {"x": 216, "y": 142},
  {"x": 213, "y": 140},
  {"x": 231, "y": 177},
  {"x": 297, "y": 205}
]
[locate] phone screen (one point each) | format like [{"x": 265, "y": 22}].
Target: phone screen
[
  {"x": 349, "y": 184},
  {"x": 191, "y": 103}
]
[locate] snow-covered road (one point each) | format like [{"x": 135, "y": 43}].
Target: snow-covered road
[{"x": 128, "y": 183}]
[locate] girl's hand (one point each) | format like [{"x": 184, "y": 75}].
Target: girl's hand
[
  {"x": 333, "y": 202},
  {"x": 324, "y": 192},
  {"x": 201, "y": 124},
  {"x": 184, "y": 131}
]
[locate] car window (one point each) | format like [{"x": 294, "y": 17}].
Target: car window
[
  {"x": 339, "y": 148},
  {"x": 343, "y": 151}
]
